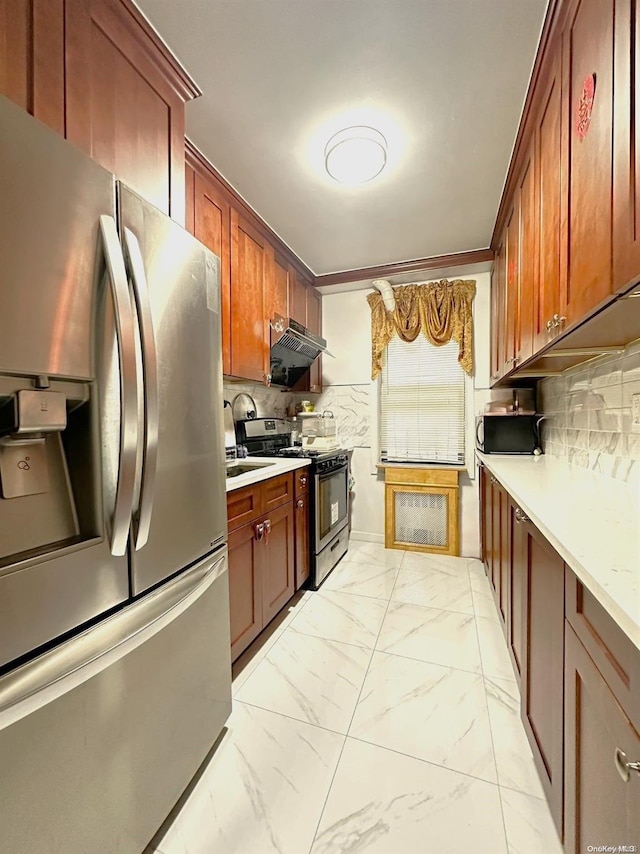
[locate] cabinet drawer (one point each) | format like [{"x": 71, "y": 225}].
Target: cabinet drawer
[
  {"x": 301, "y": 482},
  {"x": 614, "y": 654},
  {"x": 276, "y": 491},
  {"x": 243, "y": 505}
]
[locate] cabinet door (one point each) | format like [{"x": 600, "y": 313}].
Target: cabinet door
[
  {"x": 549, "y": 174},
  {"x": 588, "y": 84},
  {"x": 314, "y": 324},
  {"x": 245, "y": 587},
  {"x": 212, "y": 226},
  {"x": 498, "y": 331},
  {"x": 600, "y": 807},
  {"x": 248, "y": 259},
  {"x": 276, "y": 299},
  {"x": 542, "y": 680},
  {"x": 496, "y": 519},
  {"x": 511, "y": 290},
  {"x": 278, "y": 561},
  {"x": 517, "y": 590},
  {"x": 486, "y": 522},
  {"x": 302, "y": 539},
  {"x": 297, "y": 298},
  {"x": 505, "y": 558},
  {"x": 528, "y": 279},
  {"x": 122, "y": 109},
  {"x": 32, "y": 58},
  {"x": 626, "y": 158}
]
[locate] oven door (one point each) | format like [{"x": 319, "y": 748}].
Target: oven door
[{"x": 331, "y": 505}]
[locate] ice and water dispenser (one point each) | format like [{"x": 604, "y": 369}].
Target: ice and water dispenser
[{"x": 47, "y": 495}]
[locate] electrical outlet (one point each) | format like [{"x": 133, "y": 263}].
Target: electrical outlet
[{"x": 635, "y": 412}]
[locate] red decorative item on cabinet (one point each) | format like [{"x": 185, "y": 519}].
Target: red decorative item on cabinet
[{"x": 585, "y": 106}]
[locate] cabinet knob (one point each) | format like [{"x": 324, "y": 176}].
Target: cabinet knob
[
  {"x": 512, "y": 360},
  {"x": 258, "y": 529},
  {"x": 549, "y": 325},
  {"x": 267, "y": 529},
  {"x": 520, "y": 516},
  {"x": 300, "y": 503},
  {"x": 492, "y": 479},
  {"x": 558, "y": 321},
  {"x": 303, "y": 480}
]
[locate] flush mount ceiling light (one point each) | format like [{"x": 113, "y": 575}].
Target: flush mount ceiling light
[{"x": 355, "y": 155}]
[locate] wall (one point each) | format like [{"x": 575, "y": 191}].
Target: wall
[
  {"x": 348, "y": 392},
  {"x": 588, "y": 413}
]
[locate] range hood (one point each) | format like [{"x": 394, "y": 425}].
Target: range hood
[{"x": 293, "y": 350}]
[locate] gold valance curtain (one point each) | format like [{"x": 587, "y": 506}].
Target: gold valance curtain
[{"x": 442, "y": 311}]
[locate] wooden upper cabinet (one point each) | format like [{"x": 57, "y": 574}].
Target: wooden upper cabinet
[
  {"x": 32, "y": 58},
  {"x": 511, "y": 290},
  {"x": 528, "y": 266},
  {"x": 551, "y": 233},
  {"x": 249, "y": 350},
  {"x": 276, "y": 294},
  {"x": 588, "y": 60},
  {"x": 626, "y": 161},
  {"x": 498, "y": 299},
  {"x": 297, "y": 298},
  {"x": 125, "y": 95},
  {"x": 212, "y": 226}
]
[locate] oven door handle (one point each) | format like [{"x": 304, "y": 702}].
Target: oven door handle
[{"x": 328, "y": 474}]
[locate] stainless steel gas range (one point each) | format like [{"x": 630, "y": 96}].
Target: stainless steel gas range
[{"x": 329, "y": 535}]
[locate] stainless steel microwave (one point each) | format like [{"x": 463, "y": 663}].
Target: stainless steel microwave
[{"x": 508, "y": 434}]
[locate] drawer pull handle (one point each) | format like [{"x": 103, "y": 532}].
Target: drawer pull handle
[
  {"x": 520, "y": 516},
  {"x": 623, "y": 766}
]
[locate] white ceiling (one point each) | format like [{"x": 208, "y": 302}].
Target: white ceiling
[{"x": 444, "y": 80}]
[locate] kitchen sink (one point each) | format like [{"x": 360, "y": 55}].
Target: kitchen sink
[{"x": 242, "y": 468}]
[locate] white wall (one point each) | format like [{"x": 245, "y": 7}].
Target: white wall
[{"x": 346, "y": 324}]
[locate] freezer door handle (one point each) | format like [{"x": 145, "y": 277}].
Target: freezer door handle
[
  {"x": 125, "y": 336},
  {"x": 42, "y": 681},
  {"x": 150, "y": 386}
]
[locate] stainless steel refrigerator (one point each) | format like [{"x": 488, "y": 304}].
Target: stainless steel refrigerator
[{"x": 114, "y": 607}]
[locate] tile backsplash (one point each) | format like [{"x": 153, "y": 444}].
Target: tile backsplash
[
  {"x": 588, "y": 415},
  {"x": 271, "y": 401},
  {"x": 349, "y": 404}
]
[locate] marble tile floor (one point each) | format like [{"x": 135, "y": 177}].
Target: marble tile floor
[{"x": 378, "y": 715}]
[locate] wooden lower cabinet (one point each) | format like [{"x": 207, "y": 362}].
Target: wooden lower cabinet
[
  {"x": 517, "y": 591},
  {"x": 266, "y": 556},
  {"x": 542, "y": 661},
  {"x": 579, "y": 681},
  {"x": 245, "y": 588},
  {"x": 601, "y": 808},
  {"x": 278, "y": 562},
  {"x": 303, "y": 569}
]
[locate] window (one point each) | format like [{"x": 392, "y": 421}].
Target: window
[{"x": 422, "y": 403}]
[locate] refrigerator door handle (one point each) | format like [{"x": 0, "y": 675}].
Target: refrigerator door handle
[
  {"x": 150, "y": 386},
  {"x": 125, "y": 336},
  {"x": 42, "y": 681}
]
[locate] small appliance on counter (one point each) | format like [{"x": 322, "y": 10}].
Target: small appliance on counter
[
  {"x": 329, "y": 488},
  {"x": 509, "y": 424}
]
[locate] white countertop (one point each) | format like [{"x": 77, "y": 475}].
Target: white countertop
[
  {"x": 592, "y": 521},
  {"x": 276, "y": 466}
]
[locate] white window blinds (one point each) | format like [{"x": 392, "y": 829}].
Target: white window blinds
[{"x": 422, "y": 403}]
